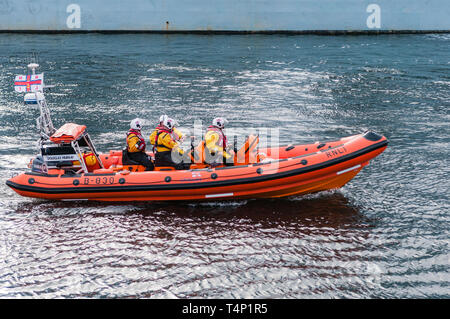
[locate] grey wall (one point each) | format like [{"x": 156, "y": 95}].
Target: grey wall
[{"x": 231, "y": 15}]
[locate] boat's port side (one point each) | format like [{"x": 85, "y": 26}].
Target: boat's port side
[{"x": 325, "y": 168}]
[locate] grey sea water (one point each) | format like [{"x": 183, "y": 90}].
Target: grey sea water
[{"x": 384, "y": 235}]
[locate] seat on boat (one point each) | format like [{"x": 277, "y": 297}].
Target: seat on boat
[
  {"x": 126, "y": 160},
  {"x": 129, "y": 164}
]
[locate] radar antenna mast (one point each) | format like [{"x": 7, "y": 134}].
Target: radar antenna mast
[{"x": 34, "y": 83}]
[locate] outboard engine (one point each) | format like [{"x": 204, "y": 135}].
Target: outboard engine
[{"x": 38, "y": 165}]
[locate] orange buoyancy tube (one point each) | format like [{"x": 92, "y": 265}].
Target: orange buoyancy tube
[{"x": 303, "y": 173}]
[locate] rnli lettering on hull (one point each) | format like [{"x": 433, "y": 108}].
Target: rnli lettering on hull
[{"x": 336, "y": 152}]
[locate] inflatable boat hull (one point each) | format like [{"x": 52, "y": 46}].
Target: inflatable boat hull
[{"x": 299, "y": 169}]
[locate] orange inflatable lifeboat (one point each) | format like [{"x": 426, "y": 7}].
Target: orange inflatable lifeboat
[{"x": 62, "y": 172}]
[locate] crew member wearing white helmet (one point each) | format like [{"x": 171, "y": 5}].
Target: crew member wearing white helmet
[
  {"x": 176, "y": 133},
  {"x": 136, "y": 145},
  {"x": 216, "y": 143},
  {"x": 165, "y": 141}
]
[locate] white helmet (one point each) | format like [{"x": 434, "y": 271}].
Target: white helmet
[
  {"x": 163, "y": 118},
  {"x": 136, "y": 124},
  {"x": 169, "y": 123},
  {"x": 219, "y": 122}
]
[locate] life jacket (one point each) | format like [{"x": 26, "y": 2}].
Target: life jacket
[
  {"x": 163, "y": 148},
  {"x": 222, "y": 142},
  {"x": 213, "y": 145},
  {"x": 136, "y": 147},
  {"x": 91, "y": 161}
]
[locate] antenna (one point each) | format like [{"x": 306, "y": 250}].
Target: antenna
[
  {"x": 34, "y": 84},
  {"x": 33, "y": 67}
]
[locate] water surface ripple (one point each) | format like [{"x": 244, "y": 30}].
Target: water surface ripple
[{"x": 384, "y": 235}]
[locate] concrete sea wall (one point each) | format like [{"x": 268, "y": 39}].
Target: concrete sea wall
[{"x": 225, "y": 15}]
